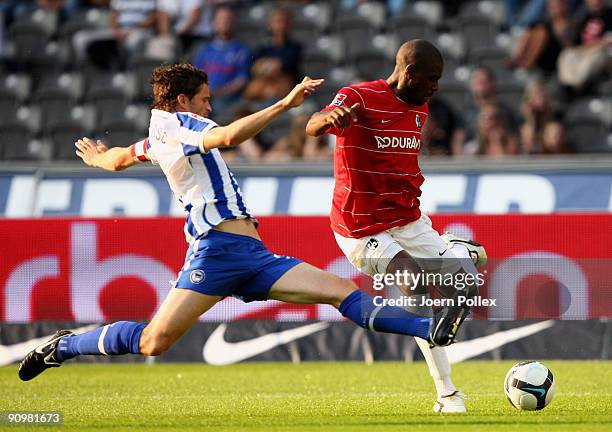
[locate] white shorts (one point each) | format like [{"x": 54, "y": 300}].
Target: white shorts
[{"x": 372, "y": 254}]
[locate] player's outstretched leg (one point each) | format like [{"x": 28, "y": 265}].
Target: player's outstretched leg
[
  {"x": 177, "y": 313},
  {"x": 307, "y": 284},
  {"x": 43, "y": 357}
]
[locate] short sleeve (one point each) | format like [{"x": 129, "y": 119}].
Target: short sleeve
[
  {"x": 191, "y": 132},
  {"x": 346, "y": 96},
  {"x": 166, "y": 6}
]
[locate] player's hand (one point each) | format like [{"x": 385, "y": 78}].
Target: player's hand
[
  {"x": 296, "y": 96},
  {"x": 342, "y": 116},
  {"x": 87, "y": 150}
]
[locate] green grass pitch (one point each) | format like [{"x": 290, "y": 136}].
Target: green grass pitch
[{"x": 305, "y": 397}]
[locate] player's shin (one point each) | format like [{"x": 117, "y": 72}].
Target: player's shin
[
  {"x": 439, "y": 367},
  {"x": 361, "y": 308},
  {"x": 437, "y": 361},
  {"x": 122, "y": 337}
]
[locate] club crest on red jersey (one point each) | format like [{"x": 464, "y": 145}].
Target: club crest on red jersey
[
  {"x": 338, "y": 100},
  {"x": 418, "y": 121}
]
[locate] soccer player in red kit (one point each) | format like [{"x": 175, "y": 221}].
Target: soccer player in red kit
[{"x": 375, "y": 212}]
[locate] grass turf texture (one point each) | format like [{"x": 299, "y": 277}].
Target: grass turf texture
[{"x": 305, "y": 397}]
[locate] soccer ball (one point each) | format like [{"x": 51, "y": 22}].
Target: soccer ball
[{"x": 529, "y": 385}]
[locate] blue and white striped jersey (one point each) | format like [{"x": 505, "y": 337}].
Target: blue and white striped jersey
[{"x": 201, "y": 181}]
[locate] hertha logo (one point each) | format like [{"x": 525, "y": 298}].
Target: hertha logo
[
  {"x": 338, "y": 100},
  {"x": 418, "y": 121},
  {"x": 197, "y": 276}
]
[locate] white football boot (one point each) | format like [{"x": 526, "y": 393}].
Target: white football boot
[
  {"x": 452, "y": 403},
  {"x": 476, "y": 250}
]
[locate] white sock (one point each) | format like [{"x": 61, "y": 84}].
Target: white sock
[{"x": 439, "y": 367}]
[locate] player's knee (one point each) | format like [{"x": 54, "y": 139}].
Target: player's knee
[{"x": 154, "y": 343}]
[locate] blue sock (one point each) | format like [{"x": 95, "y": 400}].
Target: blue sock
[
  {"x": 122, "y": 337},
  {"x": 359, "y": 307}
]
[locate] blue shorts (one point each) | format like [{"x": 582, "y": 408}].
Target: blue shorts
[{"x": 226, "y": 264}]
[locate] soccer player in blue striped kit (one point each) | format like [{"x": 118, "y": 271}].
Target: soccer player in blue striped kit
[{"x": 225, "y": 256}]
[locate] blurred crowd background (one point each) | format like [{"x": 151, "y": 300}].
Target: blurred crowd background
[{"x": 521, "y": 77}]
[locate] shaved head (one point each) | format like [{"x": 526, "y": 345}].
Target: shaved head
[
  {"x": 418, "y": 52},
  {"x": 418, "y": 67}
]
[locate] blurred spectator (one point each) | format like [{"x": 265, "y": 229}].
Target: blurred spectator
[
  {"x": 8, "y": 9},
  {"x": 483, "y": 87},
  {"x": 297, "y": 145},
  {"x": 2, "y": 21},
  {"x": 132, "y": 23},
  {"x": 275, "y": 69},
  {"x": 226, "y": 61},
  {"x": 524, "y": 13},
  {"x": 13, "y": 8},
  {"x": 443, "y": 132},
  {"x": 540, "y": 45},
  {"x": 591, "y": 37},
  {"x": 537, "y": 113},
  {"x": 493, "y": 137},
  {"x": 554, "y": 139},
  {"x": 185, "y": 19},
  {"x": 353, "y": 4}
]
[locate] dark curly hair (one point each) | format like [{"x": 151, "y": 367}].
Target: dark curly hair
[{"x": 169, "y": 81}]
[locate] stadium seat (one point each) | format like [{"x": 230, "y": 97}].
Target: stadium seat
[
  {"x": 47, "y": 19},
  {"x": 98, "y": 80},
  {"x": 370, "y": 65},
  {"x": 14, "y": 90},
  {"x": 429, "y": 11},
  {"x": 407, "y": 27},
  {"x": 455, "y": 93},
  {"x": 493, "y": 58},
  {"x": 590, "y": 109},
  {"x": 316, "y": 63},
  {"x": 109, "y": 104},
  {"x": 332, "y": 45},
  {"x": 8, "y": 105},
  {"x": 494, "y": 10},
  {"x": 452, "y": 46},
  {"x": 63, "y": 136},
  {"x": 85, "y": 19},
  {"x": 119, "y": 133},
  {"x": 141, "y": 69},
  {"x": 374, "y": 12},
  {"x": 24, "y": 42},
  {"x": 255, "y": 14},
  {"x": 317, "y": 14},
  {"x": 305, "y": 32},
  {"x": 72, "y": 82},
  {"x": 478, "y": 31},
  {"x": 14, "y": 139},
  {"x": 589, "y": 136},
  {"x": 55, "y": 105},
  {"x": 356, "y": 34},
  {"x": 250, "y": 33}
]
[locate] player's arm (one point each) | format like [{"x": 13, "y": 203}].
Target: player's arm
[
  {"x": 339, "y": 118},
  {"x": 96, "y": 154},
  {"x": 247, "y": 127}
]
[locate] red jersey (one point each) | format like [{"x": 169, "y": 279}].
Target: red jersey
[{"x": 377, "y": 173}]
